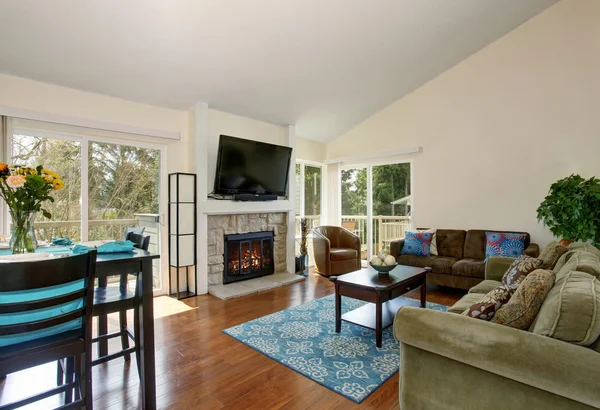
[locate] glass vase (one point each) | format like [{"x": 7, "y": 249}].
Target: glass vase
[{"x": 23, "y": 236}]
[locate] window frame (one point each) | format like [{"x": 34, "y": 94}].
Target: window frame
[{"x": 84, "y": 141}]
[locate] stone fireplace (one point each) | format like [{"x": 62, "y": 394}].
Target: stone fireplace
[{"x": 221, "y": 227}]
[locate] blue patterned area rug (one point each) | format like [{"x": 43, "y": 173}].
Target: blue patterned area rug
[{"x": 303, "y": 338}]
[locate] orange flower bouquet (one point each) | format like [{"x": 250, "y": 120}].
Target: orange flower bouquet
[{"x": 24, "y": 190}]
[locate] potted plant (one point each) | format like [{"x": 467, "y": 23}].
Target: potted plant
[
  {"x": 571, "y": 210},
  {"x": 24, "y": 190}
]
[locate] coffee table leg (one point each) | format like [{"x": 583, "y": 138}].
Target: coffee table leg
[
  {"x": 378, "y": 320},
  {"x": 338, "y": 309},
  {"x": 424, "y": 292}
]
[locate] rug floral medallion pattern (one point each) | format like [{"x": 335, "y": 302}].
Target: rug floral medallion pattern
[{"x": 303, "y": 338}]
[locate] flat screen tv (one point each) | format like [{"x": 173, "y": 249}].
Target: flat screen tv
[{"x": 251, "y": 167}]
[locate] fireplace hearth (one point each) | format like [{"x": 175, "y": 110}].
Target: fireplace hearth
[{"x": 247, "y": 256}]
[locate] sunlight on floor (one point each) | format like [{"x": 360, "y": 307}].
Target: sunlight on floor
[{"x": 166, "y": 306}]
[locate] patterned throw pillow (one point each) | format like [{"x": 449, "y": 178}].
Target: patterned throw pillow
[
  {"x": 487, "y": 307},
  {"x": 416, "y": 243},
  {"x": 551, "y": 254},
  {"x": 433, "y": 246},
  {"x": 518, "y": 270},
  {"x": 510, "y": 245},
  {"x": 525, "y": 304}
]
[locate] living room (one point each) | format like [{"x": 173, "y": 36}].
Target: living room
[{"x": 444, "y": 124}]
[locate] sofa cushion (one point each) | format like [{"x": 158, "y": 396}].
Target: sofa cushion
[
  {"x": 416, "y": 243},
  {"x": 469, "y": 267},
  {"x": 486, "y": 307},
  {"x": 475, "y": 242},
  {"x": 581, "y": 262},
  {"x": 551, "y": 254},
  {"x": 510, "y": 245},
  {"x": 450, "y": 242},
  {"x": 585, "y": 247},
  {"x": 524, "y": 305},
  {"x": 342, "y": 254},
  {"x": 438, "y": 264},
  {"x": 485, "y": 286},
  {"x": 571, "y": 311},
  {"x": 465, "y": 303}
]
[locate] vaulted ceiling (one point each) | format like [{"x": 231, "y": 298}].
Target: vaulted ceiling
[{"x": 324, "y": 65}]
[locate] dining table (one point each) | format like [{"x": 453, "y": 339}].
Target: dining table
[{"x": 112, "y": 264}]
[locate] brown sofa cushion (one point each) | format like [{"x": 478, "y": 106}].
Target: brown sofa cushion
[
  {"x": 450, "y": 242},
  {"x": 438, "y": 264},
  {"x": 469, "y": 267},
  {"x": 488, "y": 305},
  {"x": 475, "y": 242},
  {"x": 342, "y": 254}
]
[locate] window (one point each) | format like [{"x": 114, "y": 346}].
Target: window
[
  {"x": 115, "y": 185},
  {"x": 376, "y": 204}
]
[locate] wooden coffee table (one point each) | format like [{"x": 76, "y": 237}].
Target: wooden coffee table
[{"x": 382, "y": 291}]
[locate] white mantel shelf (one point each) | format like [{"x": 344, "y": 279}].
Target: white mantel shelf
[{"x": 224, "y": 207}]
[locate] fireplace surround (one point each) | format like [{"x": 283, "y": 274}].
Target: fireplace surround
[
  {"x": 221, "y": 225},
  {"x": 247, "y": 256}
]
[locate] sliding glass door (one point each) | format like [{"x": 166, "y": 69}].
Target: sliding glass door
[
  {"x": 376, "y": 204},
  {"x": 355, "y": 205},
  {"x": 112, "y": 187}
]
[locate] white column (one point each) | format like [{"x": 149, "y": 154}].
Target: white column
[
  {"x": 291, "y": 217},
  {"x": 200, "y": 136},
  {"x": 333, "y": 197}
]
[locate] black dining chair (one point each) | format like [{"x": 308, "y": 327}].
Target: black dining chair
[
  {"x": 112, "y": 299},
  {"x": 46, "y": 315},
  {"x": 109, "y": 299}
]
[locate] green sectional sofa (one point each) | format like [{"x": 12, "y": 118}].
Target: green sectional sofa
[{"x": 453, "y": 362}]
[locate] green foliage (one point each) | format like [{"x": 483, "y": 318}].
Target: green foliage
[
  {"x": 390, "y": 182},
  {"x": 571, "y": 210}
]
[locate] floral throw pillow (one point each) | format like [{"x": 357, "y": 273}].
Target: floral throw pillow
[
  {"x": 510, "y": 245},
  {"x": 523, "y": 307},
  {"x": 416, "y": 243},
  {"x": 518, "y": 270},
  {"x": 487, "y": 307}
]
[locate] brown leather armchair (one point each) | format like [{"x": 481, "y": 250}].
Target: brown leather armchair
[{"x": 337, "y": 250}]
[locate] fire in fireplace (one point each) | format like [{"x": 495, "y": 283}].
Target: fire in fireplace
[{"x": 248, "y": 255}]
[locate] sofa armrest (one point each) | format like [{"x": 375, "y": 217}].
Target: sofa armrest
[
  {"x": 496, "y": 267},
  {"x": 321, "y": 250},
  {"x": 544, "y": 363},
  {"x": 396, "y": 247},
  {"x": 533, "y": 250}
]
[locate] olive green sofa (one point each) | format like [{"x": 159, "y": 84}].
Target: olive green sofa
[{"x": 453, "y": 362}]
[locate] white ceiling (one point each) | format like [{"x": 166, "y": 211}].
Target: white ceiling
[{"x": 324, "y": 65}]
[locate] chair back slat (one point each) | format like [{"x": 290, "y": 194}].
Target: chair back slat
[
  {"x": 24, "y": 276},
  {"x": 140, "y": 241},
  {"x": 41, "y": 303},
  {"x": 45, "y": 298},
  {"x": 34, "y": 326}
]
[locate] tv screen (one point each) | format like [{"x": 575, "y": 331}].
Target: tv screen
[{"x": 245, "y": 166}]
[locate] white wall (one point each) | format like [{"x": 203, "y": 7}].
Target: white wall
[
  {"x": 31, "y": 95},
  {"x": 310, "y": 150},
  {"x": 500, "y": 127}
]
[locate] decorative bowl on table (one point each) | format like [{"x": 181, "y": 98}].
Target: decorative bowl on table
[
  {"x": 383, "y": 269},
  {"x": 383, "y": 263}
]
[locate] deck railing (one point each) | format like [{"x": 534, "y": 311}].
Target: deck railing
[
  {"x": 98, "y": 229},
  {"x": 385, "y": 228}
]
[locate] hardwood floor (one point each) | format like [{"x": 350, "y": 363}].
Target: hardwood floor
[{"x": 199, "y": 367}]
